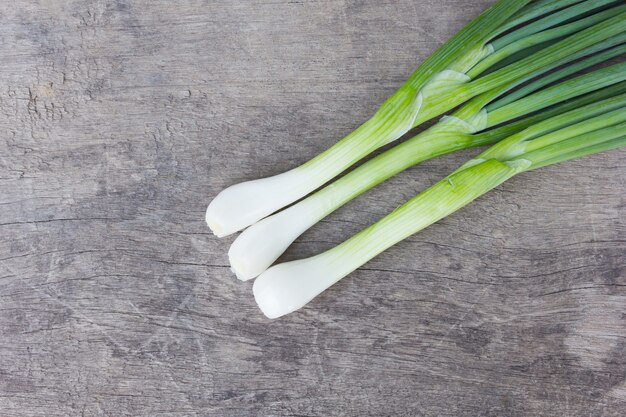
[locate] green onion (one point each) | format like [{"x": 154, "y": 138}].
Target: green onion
[
  {"x": 586, "y": 130},
  {"x": 470, "y": 126},
  {"x": 444, "y": 81}
]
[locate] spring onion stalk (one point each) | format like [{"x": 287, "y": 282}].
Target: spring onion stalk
[
  {"x": 589, "y": 129},
  {"x": 470, "y": 126},
  {"x": 535, "y": 9},
  {"x": 551, "y": 20},
  {"x": 441, "y": 83},
  {"x": 505, "y": 47}
]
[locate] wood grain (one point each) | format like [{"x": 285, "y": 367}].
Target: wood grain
[{"x": 122, "y": 119}]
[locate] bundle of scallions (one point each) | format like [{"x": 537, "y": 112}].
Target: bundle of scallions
[{"x": 518, "y": 78}]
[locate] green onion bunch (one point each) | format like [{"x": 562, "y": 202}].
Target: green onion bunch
[{"x": 516, "y": 78}]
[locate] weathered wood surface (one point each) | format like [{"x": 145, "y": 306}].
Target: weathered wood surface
[{"x": 122, "y": 119}]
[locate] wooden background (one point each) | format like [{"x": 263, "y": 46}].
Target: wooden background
[{"x": 121, "y": 119}]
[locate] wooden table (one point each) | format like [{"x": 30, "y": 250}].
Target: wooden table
[{"x": 122, "y": 119}]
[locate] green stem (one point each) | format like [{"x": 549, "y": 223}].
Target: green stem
[
  {"x": 588, "y": 149},
  {"x": 427, "y": 145},
  {"x": 542, "y": 37},
  {"x": 571, "y": 123},
  {"x": 392, "y": 120},
  {"x": 548, "y": 22},
  {"x": 475, "y": 33},
  {"x": 437, "y": 202},
  {"x": 560, "y": 92},
  {"x": 554, "y": 53},
  {"x": 495, "y": 135},
  {"x": 493, "y": 99},
  {"x": 586, "y": 143},
  {"x": 611, "y": 48},
  {"x": 615, "y": 117},
  {"x": 557, "y": 53},
  {"x": 535, "y": 10}
]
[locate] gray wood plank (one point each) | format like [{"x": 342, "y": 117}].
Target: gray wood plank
[{"x": 122, "y": 119}]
